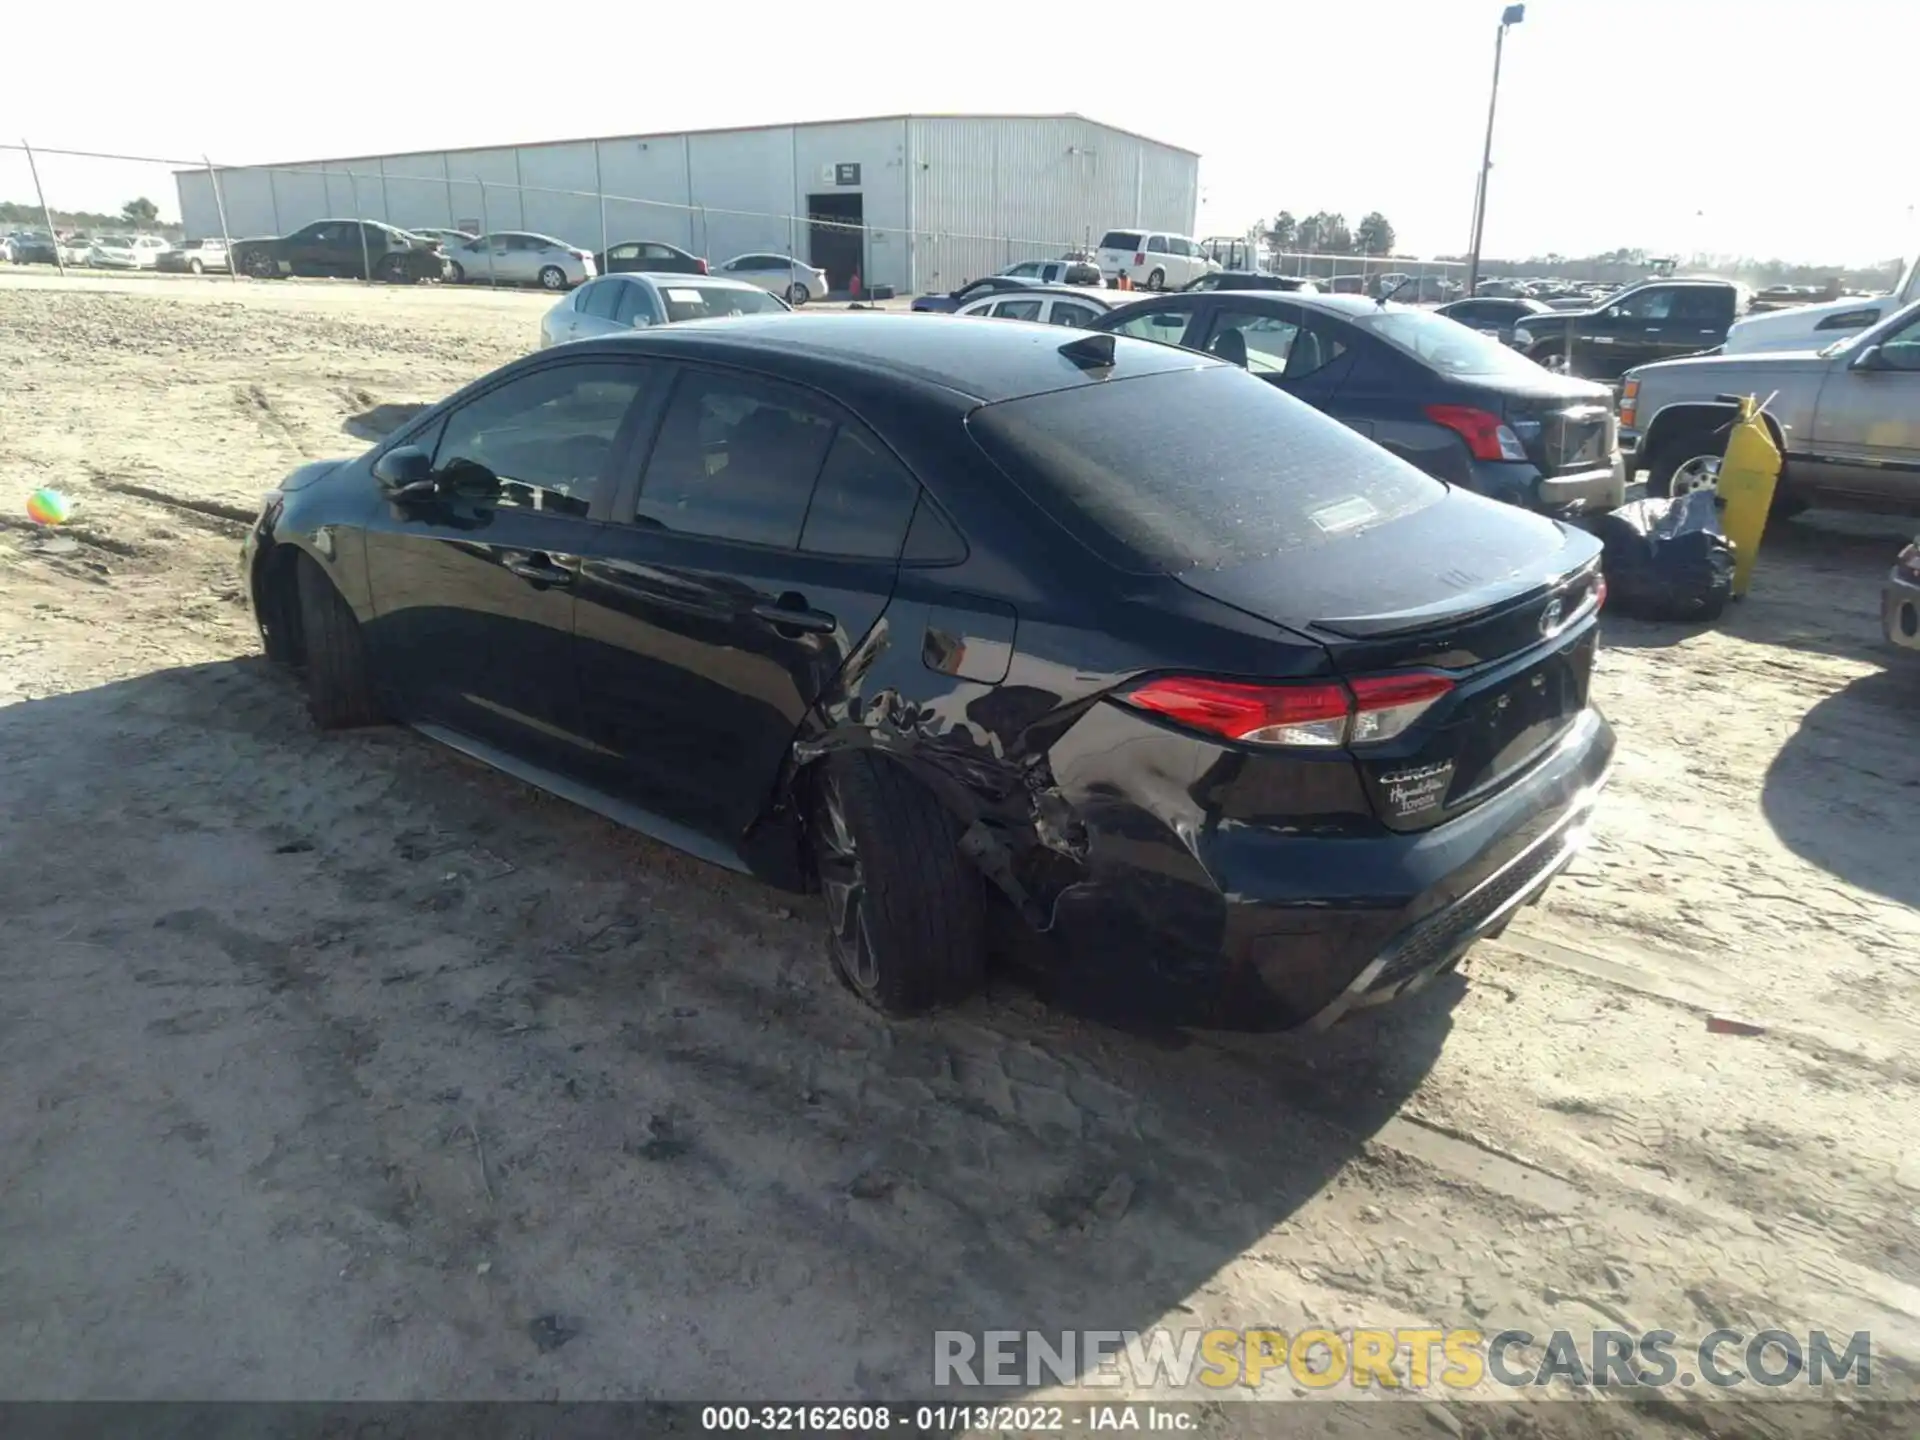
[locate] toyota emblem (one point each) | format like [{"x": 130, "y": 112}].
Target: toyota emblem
[{"x": 1550, "y": 618}]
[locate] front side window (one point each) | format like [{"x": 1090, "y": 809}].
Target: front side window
[
  {"x": 1017, "y": 310},
  {"x": 634, "y": 307},
  {"x": 624, "y": 252},
  {"x": 598, "y": 299},
  {"x": 1254, "y": 340},
  {"x": 736, "y": 460},
  {"x": 547, "y": 437},
  {"x": 1656, "y": 304},
  {"x": 1901, "y": 349}
]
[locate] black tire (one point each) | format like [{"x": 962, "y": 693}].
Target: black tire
[
  {"x": 1156, "y": 279},
  {"x": 392, "y": 270},
  {"x": 259, "y": 264},
  {"x": 910, "y": 933},
  {"x": 194, "y": 267},
  {"x": 339, "y": 690},
  {"x": 553, "y": 278},
  {"x": 455, "y": 274},
  {"x": 798, "y": 295}
]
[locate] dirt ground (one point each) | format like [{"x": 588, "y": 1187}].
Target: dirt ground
[{"x": 342, "y": 1068}]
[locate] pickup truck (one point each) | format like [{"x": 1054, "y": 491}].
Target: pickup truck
[
  {"x": 1846, "y": 418},
  {"x": 1655, "y": 320},
  {"x": 1809, "y": 327}
]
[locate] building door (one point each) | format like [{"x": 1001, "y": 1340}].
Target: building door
[{"x": 837, "y": 237}]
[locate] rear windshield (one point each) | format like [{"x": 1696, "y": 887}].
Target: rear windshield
[
  {"x": 1444, "y": 344},
  {"x": 1195, "y": 469},
  {"x": 701, "y": 302},
  {"x": 1121, "y": 240}
]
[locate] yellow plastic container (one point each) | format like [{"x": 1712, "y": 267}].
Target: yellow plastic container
[{"x": 1747, "y": 476}]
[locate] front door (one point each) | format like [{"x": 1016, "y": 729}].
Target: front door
[
  {"x": 1635, "y": 331},
  {"x": 762, "y": 549},
  {"x": 473, "y": 592},
  {"x": 1866, "y": 432}
]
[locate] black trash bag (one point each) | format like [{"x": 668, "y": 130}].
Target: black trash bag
[{"x": 1667, "y": 559}]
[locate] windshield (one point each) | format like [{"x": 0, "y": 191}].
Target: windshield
[
  {"x": 1444, "y": 345},
  {"x": 703, "y": 302}
]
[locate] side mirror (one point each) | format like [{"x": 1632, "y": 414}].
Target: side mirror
[
  {"x": 406, "y": 474},
  {"x": 1614, "y": 312},
  {"x": 1867, "y": 359}
]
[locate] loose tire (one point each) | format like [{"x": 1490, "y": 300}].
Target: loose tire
[
  {"x": 905, "y": 910},
  {"x": 339, "y": 690},
  {"x": 552, "y": 277},
  {"x": 1156, "y": 279},
  {"x": 798, "y": 294}
]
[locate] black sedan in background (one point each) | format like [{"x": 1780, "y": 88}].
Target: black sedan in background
[
  {"x": 654, "y": 257},
  {"x": 1493, "y": 317},
  {"x": 1460, "y": 406},
  {"x": 1260, "y": 722},
  {"x": 973, "y": 290}
]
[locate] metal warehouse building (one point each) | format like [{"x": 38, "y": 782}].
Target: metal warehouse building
[{"x": 919, "y": 202}]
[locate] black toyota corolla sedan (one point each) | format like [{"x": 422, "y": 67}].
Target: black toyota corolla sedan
[{"x": 1257, "y": 720}]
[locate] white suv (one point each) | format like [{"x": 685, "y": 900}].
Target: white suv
[{"x": 1153, "y": 259}]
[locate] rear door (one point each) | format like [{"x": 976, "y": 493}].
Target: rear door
[
  {"x": 1702, "y": 315},
  {"x": 762, "y": 547},
  {"x": 473, "y": 594},
  {"x": 312, "y": 249}
]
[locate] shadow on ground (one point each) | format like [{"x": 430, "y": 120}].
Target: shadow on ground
[
  {"x": 381, "y": 1050},
  {"x": 375, "y": 424},
  {"x": 1845, "y": 787}
]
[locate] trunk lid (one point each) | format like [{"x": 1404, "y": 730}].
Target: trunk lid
[
  {"x": 1501, "y": 601},
  {"x": 1565, "y": 425}
]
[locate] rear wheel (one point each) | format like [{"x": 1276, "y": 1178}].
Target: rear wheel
[
  {"x": 259, "y": 264},
  {"x": 339, "y": 690},
  {"x": 798, "y": 294},
  {"x": 195, "y": 267},
  {"x": 1156, "y": 279},
  {"x": 454, "y": 273},
  {"x": 552, "y": 277},
  {"x": 905, "y": 910}
]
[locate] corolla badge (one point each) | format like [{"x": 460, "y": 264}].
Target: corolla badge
[{"x": 1550, "y": 618}]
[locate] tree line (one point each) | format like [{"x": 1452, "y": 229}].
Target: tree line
[
  {"x": 140, "y": 213},
  {"x": 1326, "y": 232}
]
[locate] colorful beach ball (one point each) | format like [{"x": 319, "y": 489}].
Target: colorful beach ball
[{"x": 48, "y": 507}]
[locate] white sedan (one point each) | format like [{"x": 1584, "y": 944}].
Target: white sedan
[
  {"x": 126, "y": 252},
  {"x": 781, "y": 275},
  {"x": 634, "y": 302},
  {"x": 1063, "y": 306},
  {"x": 519, "y": 257}
]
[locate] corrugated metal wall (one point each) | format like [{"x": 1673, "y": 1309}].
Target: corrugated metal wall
[{"x": 944, "y": 199}]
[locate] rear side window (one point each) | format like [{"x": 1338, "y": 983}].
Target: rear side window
[
  {"x": 1018, "y": 309},
  {"x": 862, "y": 502},
  {"x": 1120, "y": 240},
  {"x": 1196, "y": 469},
  {"x": 736, "y": 460}
]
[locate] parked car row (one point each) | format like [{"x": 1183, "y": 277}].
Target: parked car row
[{"x": 100, "y": 252}]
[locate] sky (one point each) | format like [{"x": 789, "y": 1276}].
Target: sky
[{"x": 1765, "y": 128}]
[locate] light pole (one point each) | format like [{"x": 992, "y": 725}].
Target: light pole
[{"x": 1512, "y": 15}]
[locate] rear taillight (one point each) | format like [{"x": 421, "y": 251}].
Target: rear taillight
[
  {"x": 1629, "y": 401},
  {"x": 1599, "y": 591},
  {"x": 1316, "y": 714},
  {"x": 1139, "y": 258},
  {"x": 703, "y": 267},
  {"x": 1487, "y": 435}
]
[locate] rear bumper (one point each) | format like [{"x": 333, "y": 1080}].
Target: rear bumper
[
  {"x": 1586, "y": 492},
  {"x": 1900, "y": 611},
  {"x": 1244, "y": 927}
]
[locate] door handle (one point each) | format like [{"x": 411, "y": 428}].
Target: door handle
[
  {"x": 790, "y": 612},
  {"x": 538, "y": 571}
]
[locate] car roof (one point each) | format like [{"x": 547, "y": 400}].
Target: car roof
[
  {"x": 984, "y": 363},
  {"x": 1078, "y": 292},
  {"x": 672, "y": 277}
]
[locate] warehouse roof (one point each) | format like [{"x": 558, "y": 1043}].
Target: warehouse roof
[{"x": 712, "y": 130}]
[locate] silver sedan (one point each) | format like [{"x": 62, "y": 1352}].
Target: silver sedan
[
  {"x": 798, "y": 281},
  {"x": 519, "y": 257},
  {"x": 615, "y": 303}
]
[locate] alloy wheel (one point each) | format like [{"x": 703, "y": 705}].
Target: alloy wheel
[
  {"x": 843, "y": 884},
  {"x": 1702, "y": 472},
  {"x": 552, "y": 277}
]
